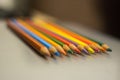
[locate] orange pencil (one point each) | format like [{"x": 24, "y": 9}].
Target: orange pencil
[{"x": 36, "y": 45}]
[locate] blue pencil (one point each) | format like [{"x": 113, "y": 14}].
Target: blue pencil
[{"x": 49, "y": 46}]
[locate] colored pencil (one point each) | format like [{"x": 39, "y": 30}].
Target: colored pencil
[
  {"x": 51, "y": 48},
  {"x": 56, "y": 37},
  {"x": 35, "y": 44},
  {"x": 57, "y": 31}
]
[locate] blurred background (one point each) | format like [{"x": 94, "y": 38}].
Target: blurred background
[{"x": 101, "y": 15}]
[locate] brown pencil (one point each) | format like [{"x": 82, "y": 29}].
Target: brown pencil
[{"x": 34, "y": 43}]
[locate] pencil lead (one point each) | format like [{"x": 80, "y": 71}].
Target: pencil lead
[
  {"x": 97, "y": 50},
  {"x": 57, "y": 53},
  {"x": 85, "y": 51},
  {"x": 70, "y": 51},
  {"x": 64, "y": 53},
  {"x": 109, "y": 49}
]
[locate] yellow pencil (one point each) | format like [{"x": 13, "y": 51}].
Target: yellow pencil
[{"x": 55, "y": 30}]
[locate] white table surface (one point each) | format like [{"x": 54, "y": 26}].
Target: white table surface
[{"x": 19, "y": 62}]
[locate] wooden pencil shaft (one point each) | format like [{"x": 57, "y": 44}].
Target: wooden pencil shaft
[{"x": 36, "y": 45}]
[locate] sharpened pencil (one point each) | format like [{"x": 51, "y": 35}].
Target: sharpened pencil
[{"x": 34, "y": 43}]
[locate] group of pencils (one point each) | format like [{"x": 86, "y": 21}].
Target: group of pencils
[{"x": 50, "y": 38}]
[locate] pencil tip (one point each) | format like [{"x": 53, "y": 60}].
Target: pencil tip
[
  {"x": 105, "y": 46},
  {"x": 85, "y": 51},
  {"x": 45, "y": 51},
  {"x": 57, "y": 53},
  {"x": 49, "y": 55},
  {"x": 90, "y": 50},
  {"x": 77, "y": 50},
  {"x": 97, "y": 50},
  {"x": 61, "y": 50},
  {"x": 109, "y": 49},
  {"x": 101, "y": 48},
  {"x": 64, "y": 53},
  {"x": 70, "y": 51}
]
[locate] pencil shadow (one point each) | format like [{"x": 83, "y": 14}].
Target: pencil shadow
[{"x": 18, "y": 36}]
